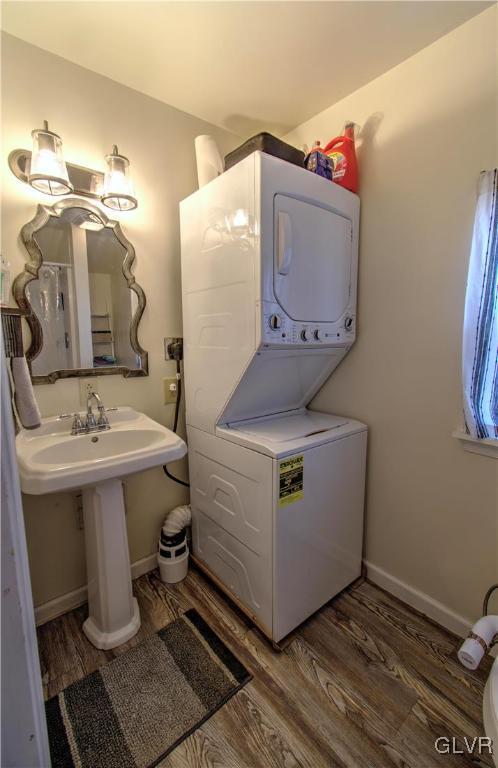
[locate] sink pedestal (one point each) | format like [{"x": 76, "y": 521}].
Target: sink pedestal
[{"x": 114, "y": 615}]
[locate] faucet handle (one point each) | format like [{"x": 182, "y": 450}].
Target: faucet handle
[
  {"x": 102, "y": 421},
  {"x": 77, "y": 425}
]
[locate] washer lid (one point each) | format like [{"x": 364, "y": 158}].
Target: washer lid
[{"x": 285, "y": 434}]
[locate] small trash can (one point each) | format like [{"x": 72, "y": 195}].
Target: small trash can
[{"x": 172, "y": 556}]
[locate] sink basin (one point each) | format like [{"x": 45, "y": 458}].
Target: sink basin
[{"x": 51, "y": 459}]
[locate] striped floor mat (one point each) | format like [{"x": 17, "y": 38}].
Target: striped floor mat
[{"x": 132, "y": 712}]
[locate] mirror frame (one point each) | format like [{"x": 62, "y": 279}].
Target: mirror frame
[{"x": 31, "y": 269}]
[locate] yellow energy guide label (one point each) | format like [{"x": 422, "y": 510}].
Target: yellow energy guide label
[{"x": 291, "y": 480}]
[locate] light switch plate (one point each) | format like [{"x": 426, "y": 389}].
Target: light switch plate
[
  {"x": 87, "y": 386},
  {"x": 170, "y": 390}
]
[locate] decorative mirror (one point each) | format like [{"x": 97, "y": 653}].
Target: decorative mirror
[{"x": 83, "y": 303}]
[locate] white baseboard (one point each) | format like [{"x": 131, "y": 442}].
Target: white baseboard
[
  {"x": 67, "y": 602},
  {"x": 419, "y": 600}
]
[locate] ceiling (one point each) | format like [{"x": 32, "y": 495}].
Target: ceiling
[{"x": 245, "y": 66}]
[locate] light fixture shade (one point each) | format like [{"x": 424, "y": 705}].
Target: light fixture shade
[
  {"x": 48, "y": 172},
  {"x": 119, "y": 193}
]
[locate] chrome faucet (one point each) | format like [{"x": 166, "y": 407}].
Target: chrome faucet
[
  {"x": 82, "y": 426},
  {"x": 102, "y": 422}
]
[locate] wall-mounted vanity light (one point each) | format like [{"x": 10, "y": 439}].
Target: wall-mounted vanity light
[
  {"x": 45, "y": 170},
  {"x": 48, "y": 172},
  {"x": 118, "y": 187}
]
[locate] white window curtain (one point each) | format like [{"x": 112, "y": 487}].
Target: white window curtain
[{"x": 480, "y": 332}]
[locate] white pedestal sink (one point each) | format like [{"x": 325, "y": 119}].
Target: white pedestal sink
[
  {"x": 51, "y": 459},
  {"x": 114, "y": 616}
]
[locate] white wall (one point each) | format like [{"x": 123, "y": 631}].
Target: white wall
[
  {"x": 429, "y": 128},
  {"x": 91, "y": 113}
]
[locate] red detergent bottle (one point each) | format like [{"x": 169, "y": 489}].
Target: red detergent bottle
[{"x": 343, "y": 155}]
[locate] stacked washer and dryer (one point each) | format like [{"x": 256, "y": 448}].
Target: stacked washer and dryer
[{"x": 269, "y": 276}]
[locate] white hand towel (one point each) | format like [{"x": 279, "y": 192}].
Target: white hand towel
[
  {"x": 27, "y": 408},
  {"x": 209, "y": 162}
]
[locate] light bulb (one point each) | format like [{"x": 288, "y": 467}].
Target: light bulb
[
  {"x": 119, "y": 193},
  {"x": 48, "y": 172}
]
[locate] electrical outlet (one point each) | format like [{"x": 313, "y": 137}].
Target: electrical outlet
[
  {"x": 87, "y": 386},
  {"x": 173, "y": 346},
  {"x": 170, "y": 390}
]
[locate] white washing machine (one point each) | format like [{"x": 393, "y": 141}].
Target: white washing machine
[{"x": 269, "y": 273}]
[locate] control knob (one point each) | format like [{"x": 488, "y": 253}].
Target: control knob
[
  {"x": 275, "y": 322},
  {"x": 348, "y": 323},
  {"x": 317, "y": 334},
  {"x": 305, "y": 335}
]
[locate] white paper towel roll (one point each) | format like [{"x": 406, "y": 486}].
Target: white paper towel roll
[{"x": 209, "y": 162}]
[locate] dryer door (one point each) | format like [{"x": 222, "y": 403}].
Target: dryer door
[{"x": 312, "y": 260}]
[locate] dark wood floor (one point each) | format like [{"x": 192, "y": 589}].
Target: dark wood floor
[{"x": 365, "y": 683}]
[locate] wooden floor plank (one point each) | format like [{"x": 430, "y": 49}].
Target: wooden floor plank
[
  {"x": 60, "y": 661},
  {"x": 210, "y": 746},
  {"x": 387, "y": 659},
  {"x": 425, "y": 633},
  {"x": 418, "y": 735},
  {"x": 415, "y": 645},
  {"x": 365, "y": 683},
  {"x": 357, "y": 661},
  {"x": 233, "y": 629},
  {"x": 357, "y": 734},
  {"x": 265, "y": 734},
  {"x": 196, "y": 588}
]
